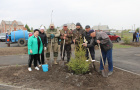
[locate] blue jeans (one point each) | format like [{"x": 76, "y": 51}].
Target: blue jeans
[
  {"x": 137, "y": 39},
  {"x": 108, "y": 55}
]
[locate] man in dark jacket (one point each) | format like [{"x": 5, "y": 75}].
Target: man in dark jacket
[
  {"x": 106, "y": 48},
  {"x": 44, "y": 41},
  {"x": 88, "y": 39},
  {"x": 78, "y": 34},
  {"x": 134, "y": 36}
]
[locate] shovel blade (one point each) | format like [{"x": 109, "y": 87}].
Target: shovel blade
[{"x": 104, "y": 73}]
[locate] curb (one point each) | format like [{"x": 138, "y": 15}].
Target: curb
[
  {"x": 122, "y": 69},
  {"x": 17, "y": 87}
]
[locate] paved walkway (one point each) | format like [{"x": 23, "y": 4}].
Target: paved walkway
[{"x": 128, "y": 58}]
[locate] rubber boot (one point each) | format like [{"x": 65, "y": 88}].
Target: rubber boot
[{"x": 55, "y": 61}]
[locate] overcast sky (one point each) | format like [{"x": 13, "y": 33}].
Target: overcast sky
[{"x": 114, "y": 13}]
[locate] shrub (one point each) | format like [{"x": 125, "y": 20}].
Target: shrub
[
  {"x": 78, "y": 64},
  {"x": 126, "y": 40}
]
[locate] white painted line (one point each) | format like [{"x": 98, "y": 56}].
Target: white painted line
[
  {"x": 17, "y": 87},
  {"x": 12, "y": 65},
  {"x": 126, "y": 70},
  {"x": 123, "y": 69}
]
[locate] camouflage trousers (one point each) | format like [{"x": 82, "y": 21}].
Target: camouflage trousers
[{"x": 54, "y": 50}]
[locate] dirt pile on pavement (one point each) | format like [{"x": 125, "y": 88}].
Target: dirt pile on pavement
[
  {"x": 13, "y": 51},
  {"x": 135, "y": 44},
  {"x": 58, "y": 78}
]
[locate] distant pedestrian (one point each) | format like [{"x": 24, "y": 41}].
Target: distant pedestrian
[
  {"x": 134, "y": 36},
  {"x": 137, "y": 36},
  {"x": 35, "y": 47}
]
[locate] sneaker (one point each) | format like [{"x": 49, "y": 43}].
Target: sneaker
[
  {"x": 39, "y": 65},
  {"x": 29, "y": 69},
  {"x": 93, "y": 60},
  {"x": 36, "y": 68},
  {"x": 110, "y": 73},
  {"x": 87, "y": 60}
]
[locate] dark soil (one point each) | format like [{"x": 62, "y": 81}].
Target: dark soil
[
  {"x": 59, "y": 78},
  {"x": 135, "y": 44}
]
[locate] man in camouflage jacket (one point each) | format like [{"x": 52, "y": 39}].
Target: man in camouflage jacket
[
  {"x": 78, "y": 34},
  {"x": 66, "y": 34},
  {"x": 52, "y": 35}
]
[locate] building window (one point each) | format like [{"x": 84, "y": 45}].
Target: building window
[
  {"x": 7, "y": 30},
  {"x": 14, "y": 25}
]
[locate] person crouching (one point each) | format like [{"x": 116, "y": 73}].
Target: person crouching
[
  {"x": 106, "y": 48},
  {"x": 35, "y": 47}
]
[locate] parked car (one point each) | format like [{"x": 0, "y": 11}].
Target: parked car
[
  {"x": 113, "y": 37},
  {"x": 30, "y": 34},
  {"x": 2, "y": 37},
  {"x": 132, "y": 31}
]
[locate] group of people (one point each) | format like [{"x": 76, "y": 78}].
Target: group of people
[
  {"x": 136, "y": 36},
  {"x": 48, "y": 41}
]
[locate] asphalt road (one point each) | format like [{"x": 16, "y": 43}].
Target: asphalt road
[
  {"x": 3, "y": 44},
  {"x": 128, "y": 59}
]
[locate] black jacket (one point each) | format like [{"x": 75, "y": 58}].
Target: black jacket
[
  {"x": 92, "y": 43},
  {"x": 87, "y": 37},
  {"x": 43, "y": 38}
]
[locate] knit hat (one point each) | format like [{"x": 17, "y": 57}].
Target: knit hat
[
  {"x": 42, "y": 28},
  {"x": 78, "y": 24}
]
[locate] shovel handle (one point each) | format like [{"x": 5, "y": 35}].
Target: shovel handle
[
  {"x": 101, "y": 55},
  {"x": 63, "y": 48}
]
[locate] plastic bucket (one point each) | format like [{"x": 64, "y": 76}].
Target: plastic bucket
[{"x": 45, "y": 67}]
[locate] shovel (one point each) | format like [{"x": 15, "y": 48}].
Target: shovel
[
  {"x": 104, "y": 72},
  {"x": 61, "y": 63},
  {"x": 93, "y": 65},
  {"x": 50, "y": 53}
]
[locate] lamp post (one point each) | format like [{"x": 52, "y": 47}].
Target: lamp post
[
  {"x": 122, "y": 33},
  {"x": 134, "y": 26},
  {"x": 51, "y": 16}
]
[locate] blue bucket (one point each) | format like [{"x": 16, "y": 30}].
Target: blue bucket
[{"x": 45, "y": 67}]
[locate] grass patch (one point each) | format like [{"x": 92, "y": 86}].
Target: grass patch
[
  {"x": 118, "y": 45},
  {"x": 128, "y": 35}
]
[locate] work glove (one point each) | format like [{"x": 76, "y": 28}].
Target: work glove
[
  {"x": 45, "y": 48},
  {"x": 52, "y": 36}
]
